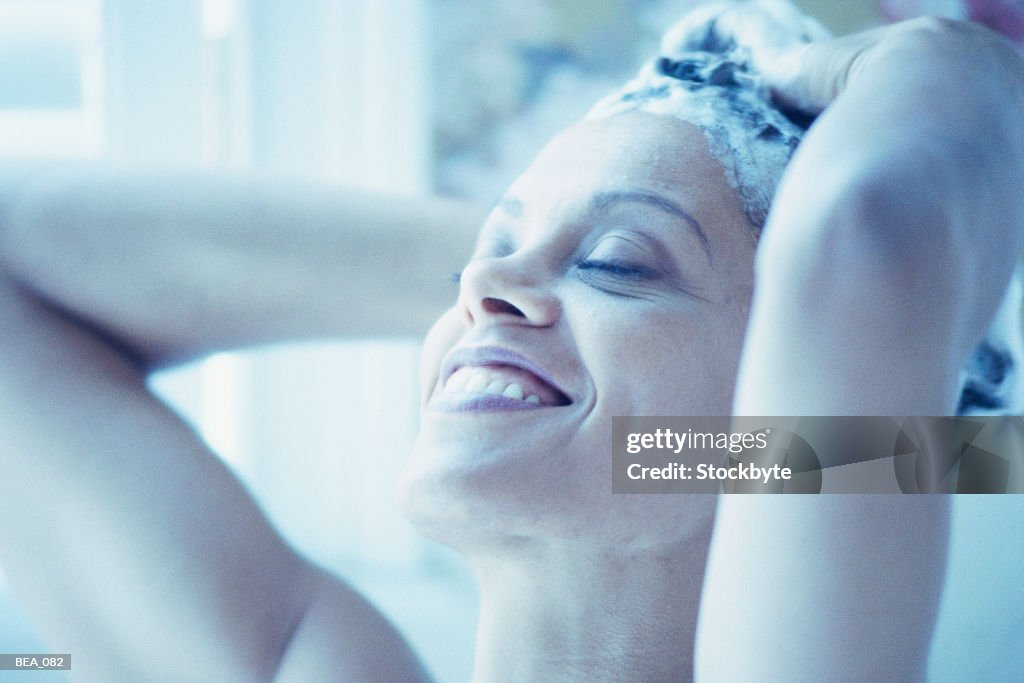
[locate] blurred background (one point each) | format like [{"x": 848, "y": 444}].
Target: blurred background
[{"x": 407, "y": 96}]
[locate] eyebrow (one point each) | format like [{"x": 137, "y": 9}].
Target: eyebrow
[{"x": 603, "y": 201}]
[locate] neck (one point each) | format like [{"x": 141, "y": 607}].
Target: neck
[{"x": 574, "y": 614}]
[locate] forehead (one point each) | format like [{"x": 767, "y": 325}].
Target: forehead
[{"x": 634, "y": 151}]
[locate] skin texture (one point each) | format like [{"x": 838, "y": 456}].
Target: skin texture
[
  {"x": 525, "y": 494},
  {"x": 576, "y": 584},
  {"x": 525, "y": 289},
  {"x": 160, "y": 548},
  {"x": 172, "y": 266},
  {"x": 897, "y": 239},
  {"x": 907, "y": 256}
]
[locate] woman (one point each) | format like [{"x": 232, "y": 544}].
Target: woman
[{"x": 626, "y": 227}]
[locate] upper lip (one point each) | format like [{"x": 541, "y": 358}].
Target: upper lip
[{"x": 495, "y": 355}]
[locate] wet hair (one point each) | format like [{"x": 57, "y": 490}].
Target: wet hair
[
  {"x": 706, "y": 74},
  {"x": 990, "y": 381}
]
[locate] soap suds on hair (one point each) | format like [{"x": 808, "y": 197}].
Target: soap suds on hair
[{"x": 707, "y": 74}]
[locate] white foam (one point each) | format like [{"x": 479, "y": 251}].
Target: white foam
[
  {"x": 754, "y": 43},
  {"x": 734, "y": 119}
]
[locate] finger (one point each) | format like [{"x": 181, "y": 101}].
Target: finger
[{"x": 809, "y": 77}]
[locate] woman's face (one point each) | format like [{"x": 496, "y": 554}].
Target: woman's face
[{"x": 613, "y": 278}]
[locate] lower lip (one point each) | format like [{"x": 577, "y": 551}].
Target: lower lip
[{"x": 478, "y": 404}]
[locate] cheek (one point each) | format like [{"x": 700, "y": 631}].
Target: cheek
[
  {"x": 659, "y": 362},
  {"x": 445, "y": 333}
]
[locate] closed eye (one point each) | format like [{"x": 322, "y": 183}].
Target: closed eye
[
  {"x": 617, "y": 268},
  {"x": 627, "y": 279}
]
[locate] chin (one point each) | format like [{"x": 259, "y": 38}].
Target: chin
[
  {"x": 479, "y": 503},
  {"x": 460, "y": 499},
  {"x": 425, "y": 494}
]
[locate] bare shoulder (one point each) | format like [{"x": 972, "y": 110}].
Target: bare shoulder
[{"x": 341, "y": 636}]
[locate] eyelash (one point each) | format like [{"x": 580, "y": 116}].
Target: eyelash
[
  {"x": 609, "y": 266},
  {"x": 615, "y": 268}
]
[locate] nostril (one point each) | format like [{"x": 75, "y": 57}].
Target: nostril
[{"x": 492, "y": 305}]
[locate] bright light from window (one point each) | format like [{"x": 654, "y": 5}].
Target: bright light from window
[
  {"x": 219, "y": 17},
  {"x": 50, "y": 78}
]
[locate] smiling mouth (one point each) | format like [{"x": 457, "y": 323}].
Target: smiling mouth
[{"x": 496, "y": 386}]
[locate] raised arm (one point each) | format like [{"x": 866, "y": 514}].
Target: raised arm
[
  {"x": 890, "y": 244},
  {"x": 896, "y": 227},
  {"x": 177, "y": 264},
  {"x": 130, "y": 544}
]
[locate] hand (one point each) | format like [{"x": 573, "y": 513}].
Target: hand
[
  {"x": 809, "y": 77},
  {"x": 896, "y": 226}
]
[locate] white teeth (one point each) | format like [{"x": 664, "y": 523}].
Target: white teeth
[
  {"x": 476, "y": 383},
  {"x": 457, "y": 382},
  {"x": 482, "y": 381},
  {"x": 513, "y": 391}
]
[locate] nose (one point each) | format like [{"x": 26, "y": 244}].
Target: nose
[{"x": 508, "y": 289}]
